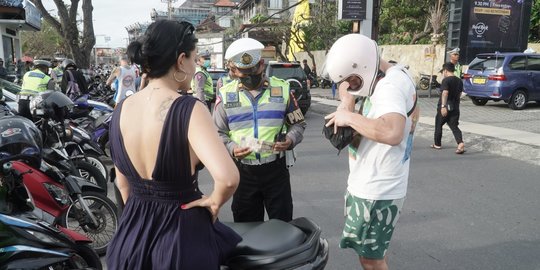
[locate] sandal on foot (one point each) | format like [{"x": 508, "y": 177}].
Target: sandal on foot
[
  {"x": 460, "y": 151},
  {"x": 436, "y": 147}
]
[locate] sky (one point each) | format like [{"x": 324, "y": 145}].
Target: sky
[{"x": 112, "y": 16}]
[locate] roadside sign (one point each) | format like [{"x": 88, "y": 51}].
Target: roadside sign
[{"x": 352, "y": 9}]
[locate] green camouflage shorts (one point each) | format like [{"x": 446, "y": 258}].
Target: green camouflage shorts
[{"x": 369, "y": 225}]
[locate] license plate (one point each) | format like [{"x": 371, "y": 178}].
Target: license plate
[{"x": 480, "y": 80}]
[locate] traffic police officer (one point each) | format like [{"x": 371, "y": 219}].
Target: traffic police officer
[
  {"x": 202, "y": 84},
  {"x": 57, "y": 72},
  {"x": 34, "y": 82},
  {"x": 223, "y": 80},
  {"x": 258, "y": 120}
]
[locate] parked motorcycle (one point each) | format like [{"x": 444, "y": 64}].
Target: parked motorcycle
[
  {"x": 29, "y": 243},
  {"x": 68, "y": 201},
  {"x": 83, "y": 148},
  {"x": 424, "y": 82},
  {"x": 325, "y": 83},
  {"x": 275, "y": 244},
  {"x": 49, "y": 111}
]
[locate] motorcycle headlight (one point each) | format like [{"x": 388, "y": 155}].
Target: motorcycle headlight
[{"x": 59, "y": 194}]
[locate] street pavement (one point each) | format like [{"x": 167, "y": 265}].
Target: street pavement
[{"x": 492, "y": 128}]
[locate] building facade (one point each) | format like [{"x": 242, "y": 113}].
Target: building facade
[{"x": 16, "y": 16}]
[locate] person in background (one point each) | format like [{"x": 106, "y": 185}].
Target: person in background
[
  {"x": 125, "y": 74},
  {"x": 223, "y": 80},
  {"x": 72, "y": 74},
  {"x": 202, "y": 85},
  {"x": 454, "y": 59},
  {"x": 57, "y": 71},
  {"x": 448, "y": 108},
  {"x": 3, "y": 70},
  {"x": 34, "y": 82},
  {"x": 307, "y": 71},
  {"x": 258, "y": 119},
  {"x": 159, "y": 142},
  {"x": 379, "y": 154}
]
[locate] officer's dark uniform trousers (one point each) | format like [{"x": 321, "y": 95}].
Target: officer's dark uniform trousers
[{"x": 267, "y": 185}]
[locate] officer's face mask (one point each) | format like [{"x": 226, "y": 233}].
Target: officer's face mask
[
  {"x": 252, "y": 81},
  {"x": 206, "y": 63}
]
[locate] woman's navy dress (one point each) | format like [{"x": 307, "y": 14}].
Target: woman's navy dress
[{"x": 154, "y": 232}]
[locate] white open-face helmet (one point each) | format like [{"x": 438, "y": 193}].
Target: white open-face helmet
[
  {"x": 354, "y": 55},
  {"x": 244, "y": 53}
]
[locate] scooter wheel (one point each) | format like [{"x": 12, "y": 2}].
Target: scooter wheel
[{"x": 106, "y": 213}]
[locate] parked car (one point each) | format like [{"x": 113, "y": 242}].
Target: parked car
[
  {"x": 216, "y": 73},
  {"x": 9, "y": 93},
  {"x": 511, "y": 77},
  {"x": 297, "y": 78}
]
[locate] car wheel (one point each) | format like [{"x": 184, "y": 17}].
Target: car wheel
[
  {"x": 478, "y": 101},
  {"x": 518, "y": 101}
]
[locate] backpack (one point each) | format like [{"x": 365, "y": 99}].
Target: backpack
[{"x": 72, "y": 91}]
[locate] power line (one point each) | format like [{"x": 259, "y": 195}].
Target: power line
[{"x": 260, "y": 23}]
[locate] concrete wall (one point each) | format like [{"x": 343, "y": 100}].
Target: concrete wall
[{"x": 412, "y": 55}]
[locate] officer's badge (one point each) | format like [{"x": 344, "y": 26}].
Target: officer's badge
[
  {"x": 246, "y": 59},
  {"x": 232, "y": 97},
  {"x": 276, "y": 91}
]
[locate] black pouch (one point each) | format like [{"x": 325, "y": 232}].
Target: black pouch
[{"x": 341, "y": 139}]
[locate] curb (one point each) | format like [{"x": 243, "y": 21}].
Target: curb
[{"x": 473, "y": 141}]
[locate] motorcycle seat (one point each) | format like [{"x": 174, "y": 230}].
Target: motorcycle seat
[{"x": 271, "y": 237}]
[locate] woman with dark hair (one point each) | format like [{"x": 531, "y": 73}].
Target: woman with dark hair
[{"x": 159, "y": 141}]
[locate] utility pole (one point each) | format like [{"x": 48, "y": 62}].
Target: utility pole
[{"x": 169, "y": 7}]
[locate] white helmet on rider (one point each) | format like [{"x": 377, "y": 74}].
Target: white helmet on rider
[{"x": 354, "y": 55}]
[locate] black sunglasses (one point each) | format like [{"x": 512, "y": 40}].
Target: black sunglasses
[{"x": 188, "y": 30}]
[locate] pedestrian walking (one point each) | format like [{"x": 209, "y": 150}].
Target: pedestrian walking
[
  {"x": 379, "y": 155},
  {"x": 448, "y": 108},
  {"x": 159, "y": 141},
  {"x": 258, "y": 120}
]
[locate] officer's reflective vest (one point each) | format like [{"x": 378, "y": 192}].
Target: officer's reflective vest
[
  {"x": 208, "y": 85},
  {"x": 225, "y": 80},
  {"x": 261, "y": 118},
  {"x": 59, "y": 73},
  {"x": 34, "y": 82}
]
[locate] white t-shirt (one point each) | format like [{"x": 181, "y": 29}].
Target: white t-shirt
[{"x": 381, "y": 171}]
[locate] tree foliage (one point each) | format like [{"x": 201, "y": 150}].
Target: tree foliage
[
  {"x": 534, "y": 32},
  {"x": 324, "y": 28},
  {"x": 405, "y": 21},
  {"x": 44, "y": 43},
  {"x": 80, "y": 43}
]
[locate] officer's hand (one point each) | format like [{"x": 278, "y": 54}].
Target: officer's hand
[
  {"x": 241, "y": 152},
  {"x": 282, "y": 146}
]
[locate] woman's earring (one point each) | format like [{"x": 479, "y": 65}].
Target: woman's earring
[{"x": 177, "y": 80}]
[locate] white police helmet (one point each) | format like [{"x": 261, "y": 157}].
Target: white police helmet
[
  {"x": 354, "y": 55},
  {"x": 244, "y": 53}
]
